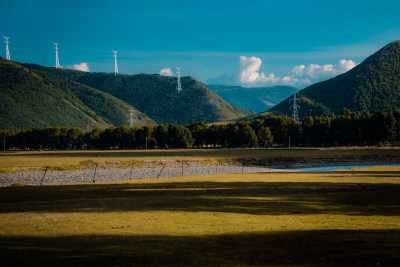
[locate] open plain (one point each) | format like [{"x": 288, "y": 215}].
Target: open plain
[{"x": 343, "y": 217}]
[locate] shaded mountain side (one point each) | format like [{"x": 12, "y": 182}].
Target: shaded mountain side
[
  {"x": 371, "y": 86},
  {"x": 257, "y": 99},
  {"x": 34, "y": 99},
  {"x": 156, "y": 96}
]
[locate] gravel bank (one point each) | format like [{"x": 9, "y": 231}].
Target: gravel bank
[
  {"x": 110, "y": 175},
  {"x": 106, "y": 172}
]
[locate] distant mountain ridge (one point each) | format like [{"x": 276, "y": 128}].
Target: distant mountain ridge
[
  {"x": 156, "y": 95},
  {"x": 371, "y": 86},
  {"x": 38, "y": 99},
  {"x": 257, "y": 99},
  {"x": 38, "y": 96}
]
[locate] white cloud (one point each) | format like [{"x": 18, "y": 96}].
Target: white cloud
[
  {"x": 298, "y": 70},
  {"x": 249, "y": 71},
  {"x": 317, "y": 72},
  {"x": 166, "y": 72},
  {"x": 345, "y": 65},
  {"x": 300, "y": 76},
  {"x": 82, "y": 67},
  {"x": 288, "y": 80}
]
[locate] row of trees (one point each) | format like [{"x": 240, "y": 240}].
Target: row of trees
[{"x": 348, "y": 128}]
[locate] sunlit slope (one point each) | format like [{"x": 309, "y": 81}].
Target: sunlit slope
[
  {"x": 36, "y": 99},
  {"x": 156, "y": 96}
]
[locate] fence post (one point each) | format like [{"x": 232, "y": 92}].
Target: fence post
[
  {"x": 130, "y": 176},
  {"x": 41, "y": 181},
  {"x": 94, "y": 176},
  {"x": 162, "y": 170}
]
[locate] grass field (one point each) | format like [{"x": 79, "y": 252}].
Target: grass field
[
  {"x": 76, "y": 159},
  {"x": 303, "y": 219}
]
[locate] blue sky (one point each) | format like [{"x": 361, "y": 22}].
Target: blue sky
[{"x": 251, "y": 43}]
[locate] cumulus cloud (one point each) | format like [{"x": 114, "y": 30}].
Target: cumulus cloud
[
  {"x": 166, "y": 72},
  {"x": 288, "y": 80},
  {"x": 345, "y": 65},
  {"x": 318, "y": 72},
  {"x": 250, "y": 71},
  {"x": 82, "y": 67}
]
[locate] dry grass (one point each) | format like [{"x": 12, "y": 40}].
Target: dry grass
[
  {"x": 338, "y": 217},
  {"x": 31, "y": 160}
]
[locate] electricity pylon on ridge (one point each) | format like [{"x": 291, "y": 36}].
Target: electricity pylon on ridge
[
  {"x": 295, "y": 107},
  {"x": 115, "y": 63},
  {"x": 7, "y": 50},
  {"x": 57, "y": 59},
  {"x": 179, "y": 85}
]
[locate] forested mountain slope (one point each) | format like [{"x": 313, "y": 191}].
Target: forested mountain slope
[
  {"x": 371, "y": 86},
  {"x": 156, "y": 96},
  {"x": 30, "y": 98}
]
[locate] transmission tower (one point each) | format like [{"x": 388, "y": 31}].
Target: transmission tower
[
  {"x": 130, "y": 118},
  {"x": 179, "y": 85},
  {"x": 57, "y": 60},
  {"x": 115, "y": 63},
  {"x": 295, "y": 107},
  {"x": 7, "y": 51}
]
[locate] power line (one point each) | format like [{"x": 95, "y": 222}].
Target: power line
[
  {"x": 115, "y": 63},
  {"x": 179, "y": 85},
  {"x": 7, "y": 50},
  {"x": 57, "y": 60}
]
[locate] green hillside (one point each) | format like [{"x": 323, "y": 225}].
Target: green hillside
[
  {"x": 257, "y": 99},
  {"x": 371, "y": 86},
  {"x": 156, "y": 96},
  {"x": 31, "y": 98}
]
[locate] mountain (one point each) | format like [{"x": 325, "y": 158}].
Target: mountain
[
  {"x": 30, "y": 98},
  {"x": 371, "y": 86},
  {"x": 257, "y": 99},
  {"x": 156, "y": 95}
]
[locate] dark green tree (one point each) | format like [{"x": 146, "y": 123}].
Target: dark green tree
[{"x": 265, "y": 137}]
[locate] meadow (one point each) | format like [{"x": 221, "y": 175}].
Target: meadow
[
  {"x": 303, "y": 219},
  {"x": 76, "y": 159}
]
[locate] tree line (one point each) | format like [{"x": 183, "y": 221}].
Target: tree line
[{"x": 347, "y": 129}]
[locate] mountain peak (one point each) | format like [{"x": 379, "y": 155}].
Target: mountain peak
[
  {"x": 371, "y": 86},
  {"x": 395, "y": 43},
  {"x": 386, "y": 52}
]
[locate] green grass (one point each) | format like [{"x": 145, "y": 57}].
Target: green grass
[
  {"x": 339, "y": 217},
  {"x": 68, "y": 160}
]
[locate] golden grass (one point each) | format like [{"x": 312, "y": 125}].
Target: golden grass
[
  {"x": 73, "y": 159},
  {"x": 348, "y": 217}
]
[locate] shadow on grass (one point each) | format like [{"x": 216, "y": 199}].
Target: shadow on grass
[
  {"x": 275, "y": 198},
  {"x": 344, "y": 248}
]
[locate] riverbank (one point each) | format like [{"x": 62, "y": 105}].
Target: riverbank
[{"x": 112, "y": 172}]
